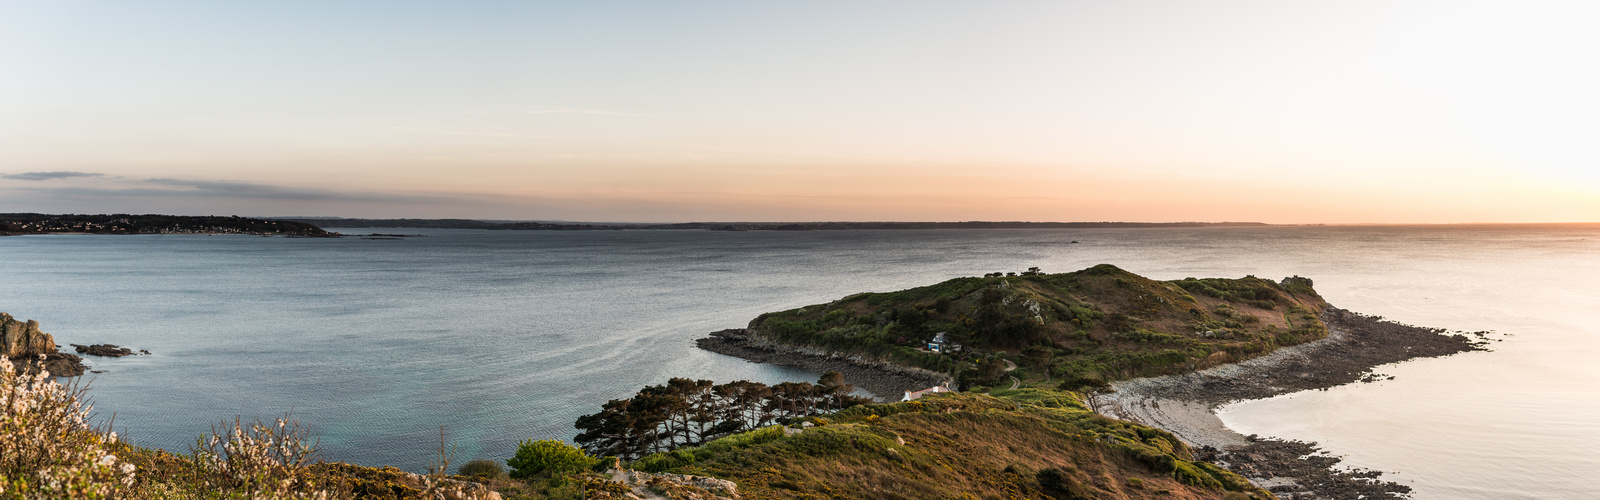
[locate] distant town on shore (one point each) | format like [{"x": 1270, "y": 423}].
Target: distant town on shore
[{"x": 30, "y": 223}]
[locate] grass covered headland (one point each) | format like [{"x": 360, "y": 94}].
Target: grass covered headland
[{"x": 1085, "y": 328}]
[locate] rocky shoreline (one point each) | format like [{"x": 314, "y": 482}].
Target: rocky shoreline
[
  {"x": 31, "y": 350},
  {"x": 1356, "y": 343},
  {"x": 884, "y": 380}
]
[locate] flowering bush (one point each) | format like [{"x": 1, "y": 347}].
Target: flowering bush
[
  {"x": 48, "y": 449},
  {"x": 258, "y": 460}
]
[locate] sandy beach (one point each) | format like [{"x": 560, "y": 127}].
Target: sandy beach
[{"x": 1185, "y": 404}]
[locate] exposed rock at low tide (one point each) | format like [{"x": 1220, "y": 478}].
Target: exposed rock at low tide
[
  {"x": 107, "y": 350},
  {"x": 31, "y": 349},
  {"x": 885, "y": 380}
]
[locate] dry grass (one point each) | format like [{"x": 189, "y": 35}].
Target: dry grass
[{"x": 968, "y": 446}]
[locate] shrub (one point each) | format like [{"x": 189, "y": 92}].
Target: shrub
[
  {"x": 1051, "y": 480},
  {"x": 47, "y": 447},
  {"x": 259, "y": 460},
  {"x": 1187, "y": 473},
  {"x": 487, "y": 469},
  {"x": 546, "y": 456},
  {"x": 663, "y": 461}
]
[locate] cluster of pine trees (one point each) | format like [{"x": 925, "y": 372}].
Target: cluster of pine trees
[{"x": 690, "y": 412}]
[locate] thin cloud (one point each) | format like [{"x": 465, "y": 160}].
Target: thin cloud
[
  {"x": 587, "y": 112},
  {"x": 168, "y": 188},
  {"x": 200, "y": 188},
  {"x": 45, "y": 176}
]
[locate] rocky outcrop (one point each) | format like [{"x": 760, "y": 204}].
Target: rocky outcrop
[
  {"x": 31, "y": 349},
  {"x": 637, "y": 485},
  {"x": 19, "y": 339},
  {"x": 107, "y": 350},
  {"x": 885, "y": 380}
]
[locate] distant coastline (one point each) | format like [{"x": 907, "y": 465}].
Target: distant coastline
[
  {"x": 736, "y": 226},
  {"x": 29, "y": 223}
]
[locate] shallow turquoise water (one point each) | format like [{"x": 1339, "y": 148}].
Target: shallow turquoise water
[{"x": 505, "y": 335}]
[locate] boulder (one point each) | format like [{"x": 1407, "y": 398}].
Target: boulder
[
  {"x": 30, "y": 349},
  {"x": 19, "y": 339},
  {"x": 644, "y": 485}
]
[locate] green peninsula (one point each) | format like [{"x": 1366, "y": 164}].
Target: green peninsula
[{"x": 1085, "y": 327}]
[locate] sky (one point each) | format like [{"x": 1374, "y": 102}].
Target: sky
[{"x": 1398, "y": 111}]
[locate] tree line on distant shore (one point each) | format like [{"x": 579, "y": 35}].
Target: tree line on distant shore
[{"x": 687, "y": 412}]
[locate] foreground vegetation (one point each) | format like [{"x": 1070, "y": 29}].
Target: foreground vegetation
[
  {"x": 1086, "y": 327},
  {"x": 49, "y": 449},
  {"x": 1025, "y": 443}
]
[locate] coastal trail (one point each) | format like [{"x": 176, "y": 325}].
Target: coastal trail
[{"x": 1009, "y": 367}]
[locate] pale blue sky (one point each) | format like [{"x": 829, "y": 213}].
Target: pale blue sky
[{"x": 1402, "y": 111}]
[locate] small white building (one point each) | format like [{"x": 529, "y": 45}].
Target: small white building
[{"x": 913, "y": 395}]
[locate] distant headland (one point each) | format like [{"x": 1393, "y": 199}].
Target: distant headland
[{"x": 17, "y": 224}]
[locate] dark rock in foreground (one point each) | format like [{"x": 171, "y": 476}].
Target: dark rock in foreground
[{"x": 1316, "y": 474}]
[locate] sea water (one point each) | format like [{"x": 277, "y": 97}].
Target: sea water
[{"x": 499, "y": 336}]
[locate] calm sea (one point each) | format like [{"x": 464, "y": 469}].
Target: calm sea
[{"x": 499, "y": 336}]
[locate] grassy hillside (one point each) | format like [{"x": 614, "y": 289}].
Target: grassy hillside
[
  {"x": 1026, "y": 443},
  {"x": 1100, "y": 323}
]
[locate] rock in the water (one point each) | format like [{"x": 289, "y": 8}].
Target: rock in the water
[
  {"x": 103, "y": 350},
  {"x": 30, "y": 349}
]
